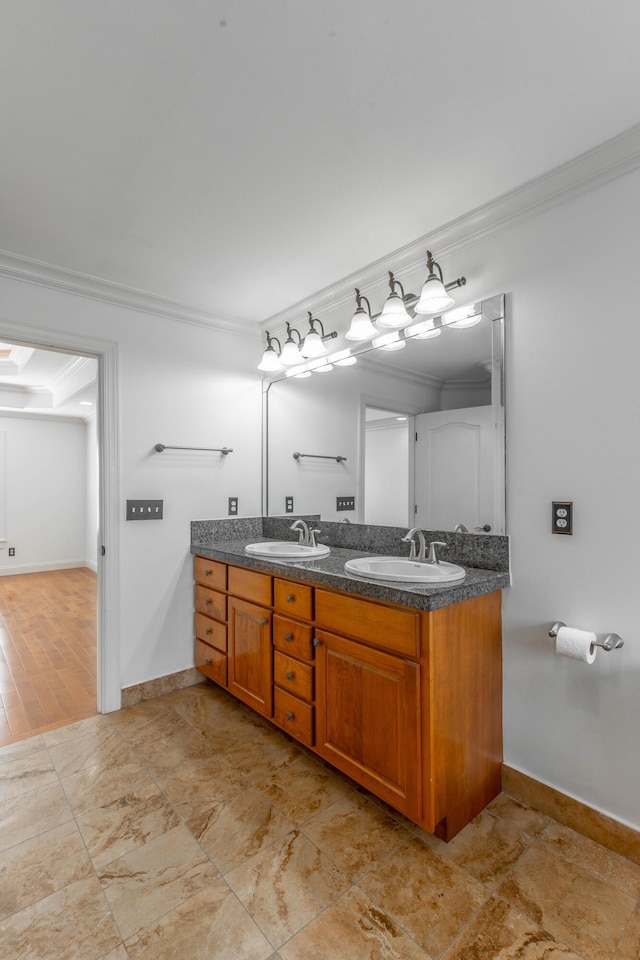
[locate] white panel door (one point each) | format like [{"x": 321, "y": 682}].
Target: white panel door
[{"x": 454, "y": 469}]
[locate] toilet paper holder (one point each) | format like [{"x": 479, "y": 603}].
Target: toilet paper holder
[{"x": 610, "y": 642}]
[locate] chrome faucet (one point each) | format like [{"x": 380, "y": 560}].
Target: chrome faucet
[
  {"x": 306, "y": 537},
  {"x": 421, "y": 554},
  {"x": 460, "y": 528}
]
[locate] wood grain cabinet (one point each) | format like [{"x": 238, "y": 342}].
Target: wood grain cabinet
[{"x": 406, "y": 703}]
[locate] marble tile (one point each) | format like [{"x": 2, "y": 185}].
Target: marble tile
[
  {"x": 302, "y": 789},
  {"x": 287, "y": 885},
  {"x": 499, "y": 932},
  {"x": 32, "y": 813},
  {"x": 196, "y": 786},
  {"x": 222, "y": 721},
  {"x": 426, "y": 895},
  {"x": 212, "y": 924},
  {"x": 100, "y": 786},
  {"x": 153, "y": 879},
  {"x": 25, "y": 773},
  {"x": 489, "y": 845},
  {"x": 162, "y": 754},
  {"x": 102, "y": 746},
  {"x": 23, "y": 748},
  {"x": 629, "y": 944},
  {"x": 82, "y": 728},
  {"x": 355, "y": 834},
  {"x": 73, "y": 922},
  {"x": 133, "y": 723},
  {"x": 606, "y": 864},
  {"x": 355, "y": 928},
  {"x": 38, "y": 867},
  {"x": 237, "y": 829},
  {"x": 575, "y": 906},
  {"x": 119, "y": 953},
  {"x": 261, "y": 755},
  {"x": 127, "y": 822}
]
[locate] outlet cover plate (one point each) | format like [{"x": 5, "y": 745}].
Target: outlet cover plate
[{"x": 562, "y": 517}]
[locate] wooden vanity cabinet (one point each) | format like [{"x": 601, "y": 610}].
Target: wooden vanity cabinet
[{"x": 406, "y": 703}]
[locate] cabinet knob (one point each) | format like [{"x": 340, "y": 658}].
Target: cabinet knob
[
  {"x": 290, "y": 598},
  {"x": 208, "y": 631},
  {"x": 288, "y": 637},
  {"x": 290, "y": 716},
  {"x": 290, "y": 675},
  {"x": 316, "y": 642},
  {"x": 207, "y": 602},
  {"x": 207, "y": 663},
  {"x": 264, "y": 620},
  {"x": 208, "y": 573}
]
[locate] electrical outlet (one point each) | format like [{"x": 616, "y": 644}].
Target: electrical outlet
[
  {"x": 144, "y": 509},
  {"x": 12, "y": 551},
  {"x": 562, "y": 517},
  {"x": 345, "y": 503},
  {"x": 288, "y": 504},
  {"x": 233, "y": 506}
]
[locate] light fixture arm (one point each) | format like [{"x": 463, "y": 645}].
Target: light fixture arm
[
  {"x": 271, "y": 340},
  {"x": 359, "y": 298},
  {"x": 291, "y": 330},
  {"x": 393, "y": 283},
  {"x": 313, "y": 320}
]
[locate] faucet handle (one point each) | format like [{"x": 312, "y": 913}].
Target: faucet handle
[
  {"x": 409, "y": 539},
  {"x": 312, "y": 537},
  {"x": 433, "y": 556}
]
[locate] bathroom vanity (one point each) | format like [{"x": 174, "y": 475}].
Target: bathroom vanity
[{"x": 401, "y": 689}]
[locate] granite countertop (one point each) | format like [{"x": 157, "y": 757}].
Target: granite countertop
[{"x": 329, "y": 572}]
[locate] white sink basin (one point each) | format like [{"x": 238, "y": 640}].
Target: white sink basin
[
  {"x": 287, "y": 550},
  {"x": 403, "y": 570}
]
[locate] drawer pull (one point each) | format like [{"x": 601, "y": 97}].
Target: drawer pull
[
  {"x": 290, "y": 675},
  {"x": 290, "y": 716},
  {"x": 208, "y": 631},
  {"x": 207, "y": 602},
  {"x": 207, "y": 663},
  {"x": 290, "y": 598},
  {"x": 264, "y": 620},
  {"x": 208, "y": 573},
  {"x": 288, "y": 637},
  {"x": 316, "y": 642}
]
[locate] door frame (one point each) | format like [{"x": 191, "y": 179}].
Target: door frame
[{"x": 108, "y": 583}]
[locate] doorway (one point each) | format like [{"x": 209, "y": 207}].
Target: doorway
[
  {"x": 105, "y": 353},
  {"x": 387, "y": 467}
]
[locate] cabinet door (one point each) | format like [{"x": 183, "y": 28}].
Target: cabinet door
[
  {"x": 368, "y": 722},
  {"x": 250, "y": 655}
]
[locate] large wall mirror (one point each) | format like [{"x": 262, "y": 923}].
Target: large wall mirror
[{"x": 415, "y": 437}]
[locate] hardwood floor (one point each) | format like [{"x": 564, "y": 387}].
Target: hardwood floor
[{"x": 47, "y": 651}]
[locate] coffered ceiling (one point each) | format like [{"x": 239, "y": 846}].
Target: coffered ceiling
[
  {"x": 45, "y": 383},
  {"x": 238, "y": 155}
]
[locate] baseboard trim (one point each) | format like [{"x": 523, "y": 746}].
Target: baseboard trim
[
  {"x": 15, "y": 568},
  {"x": 597, "y": 826},
  {"x": 150, "y": 689}
]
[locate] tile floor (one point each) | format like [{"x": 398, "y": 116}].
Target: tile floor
[{"x": 187, "y": 828}]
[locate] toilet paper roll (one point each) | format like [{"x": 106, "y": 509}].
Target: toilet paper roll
[{"x": 578, "y": 644}]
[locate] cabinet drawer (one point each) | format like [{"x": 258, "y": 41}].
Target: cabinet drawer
[
  {"x": 293, "y": 638},
  {"x": 294, "y": 716},
  {"x": 211, "y": 632},
  {"x": 385, "y": 627},
  {"x": 211, "y": 662},
  {"x": 211, "y": 573},
  {"x": 250, "y": 585},
  {"x": 211, "y": 603},
  {"x": 293, "y": 676},
  {"x": 293, "y": 599}
]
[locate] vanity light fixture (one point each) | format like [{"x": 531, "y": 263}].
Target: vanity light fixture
[
  {"x": 343, "y": 358},
  {"x": 291, "y": 352},
  {"x": 394, "y": 314},
  {"x": 313, "y": 343},
  {"x": 270, "y": 362},
  {"x": 433, "y": 296},
  {"x": 361, "y": 327},
  {"x": 323, "y": 367},
  {"x": 424, "y": 330},
  {"x": 463, "y": 317},
  {"x": 389, "y": 341}
]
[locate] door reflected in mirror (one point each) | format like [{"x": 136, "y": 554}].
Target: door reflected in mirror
[{"x": 416, "y": 437}]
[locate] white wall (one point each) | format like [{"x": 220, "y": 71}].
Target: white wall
[
  {"x": 182, "y": 384},
  {"x": 44, "y": 494}
]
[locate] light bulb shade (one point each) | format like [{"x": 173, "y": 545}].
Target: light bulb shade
[
  {"x": 322, "y": 367},
  {"x": 346, "y": 362},
  {"x": 433, "y": 297},
  {"x": 361, "y": 327},
  {"x": 313, "y": 345},
  {"x": 463, "y": 317},
  {"x": 290, "y": 353},
  {"x": 389, "y": 341},
  {"x": 394, "y": 314},
  {"x": 270, "y": 362},
  {"x": 424, "y": 330}
]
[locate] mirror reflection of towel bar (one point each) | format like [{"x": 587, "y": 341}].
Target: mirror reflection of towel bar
[
  {"x": 223, "y": 450},
  {"x": 318, "y": 456}
]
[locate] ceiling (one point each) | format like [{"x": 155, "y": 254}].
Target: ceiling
[
  {"x": 236, "y": 157},
  {"x": 46, "y": 383}
]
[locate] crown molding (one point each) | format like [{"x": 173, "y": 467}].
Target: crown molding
[
  {"x": 83, "y": 285},
  {"x": 606, "y": 162}
]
